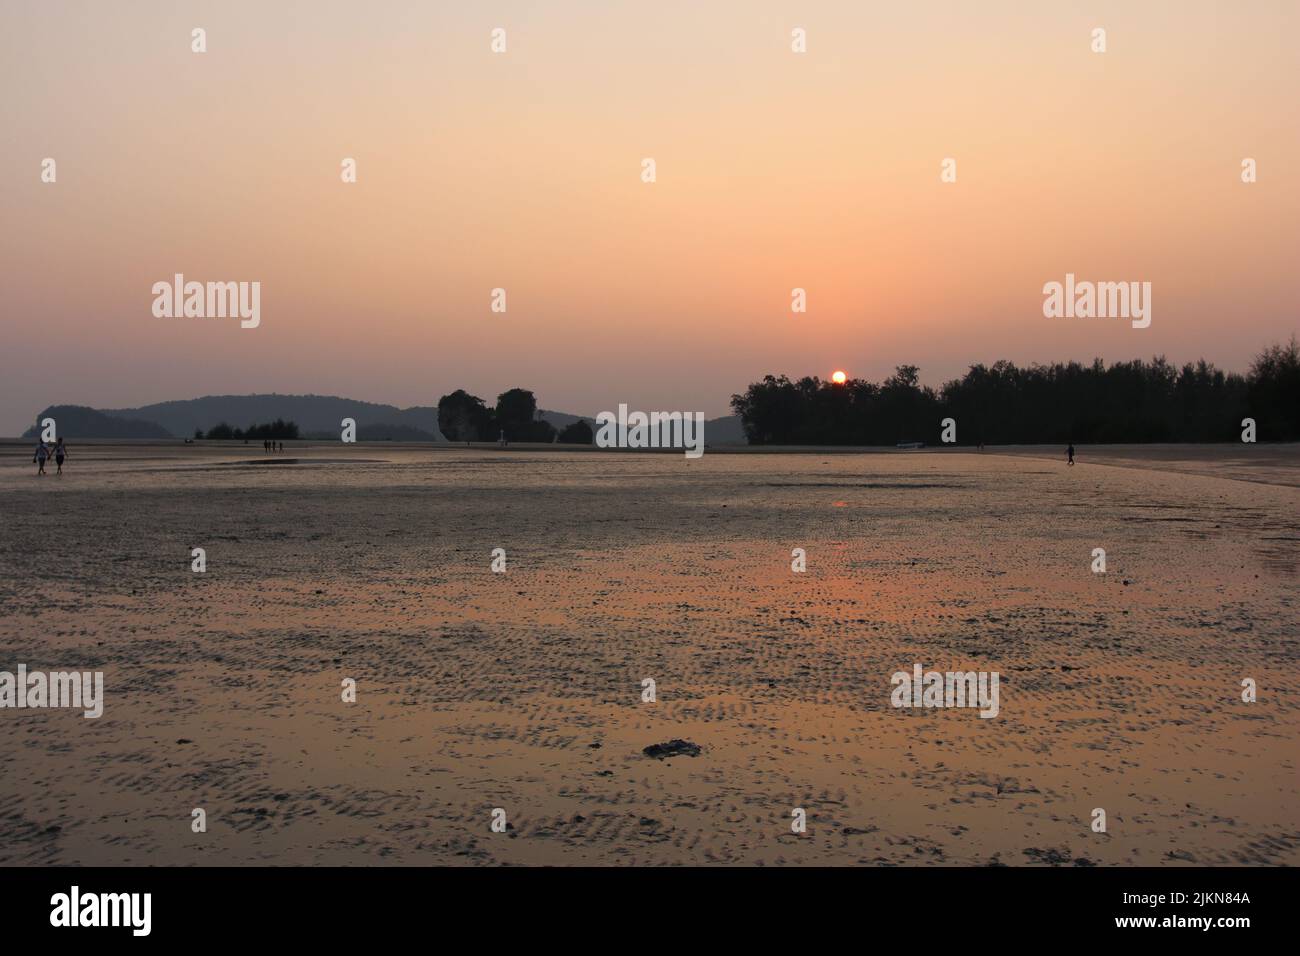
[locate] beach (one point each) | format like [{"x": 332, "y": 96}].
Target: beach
[{"x": 522, "y": 691}]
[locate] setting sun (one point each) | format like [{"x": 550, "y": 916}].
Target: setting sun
[{"x": 838, "y": 377}]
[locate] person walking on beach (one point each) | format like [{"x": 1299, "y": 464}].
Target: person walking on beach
[
  {"x": 42, "y": 453},
  {"x": 1069, "y": 452},
  {"x": 60, "y": 453}
]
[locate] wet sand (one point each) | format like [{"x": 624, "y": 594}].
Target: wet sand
[{"x": 522, "y": 691}]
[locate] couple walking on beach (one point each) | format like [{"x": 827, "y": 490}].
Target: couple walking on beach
[{"x": 43, "y": 453}]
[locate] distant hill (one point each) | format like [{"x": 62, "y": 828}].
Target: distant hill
[
  {"x": 317, "y": 417},
  {"x": 312, "y": 413},
  {"x": 724, "y": 431},
  {"x": 78, "y": 421},
  {"x": 561, "y": 419}
]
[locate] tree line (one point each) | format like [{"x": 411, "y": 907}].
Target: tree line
[
  {"x": 465, "y": 417},
  {"x": 1135, "y": 401},
  {"x": 278, "y": 430}
]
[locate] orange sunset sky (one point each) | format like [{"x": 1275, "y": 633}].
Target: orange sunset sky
[{"x": 522, "y": 170}]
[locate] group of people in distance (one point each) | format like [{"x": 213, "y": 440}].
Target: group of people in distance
[
  {"x": 44, "y": 452},
  {"x": 269, "y": 445}
]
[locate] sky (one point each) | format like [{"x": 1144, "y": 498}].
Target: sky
[{"x": 522, "y": 170}]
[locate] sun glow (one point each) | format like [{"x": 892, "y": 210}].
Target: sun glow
[{"x": 838, "y": 377}]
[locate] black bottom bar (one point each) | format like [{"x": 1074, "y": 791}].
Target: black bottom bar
[{"x": 944, "y": 906}]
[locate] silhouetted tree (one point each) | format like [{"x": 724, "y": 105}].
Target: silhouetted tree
[
  {"x": 516, "y": 415},
  {"x": 280, "y": 430},
  {"x": 576, "y": 433},
  {"x": 516, "y": 409},
  {"x": 1133, "y": 401},
  {"x": 1274, "y": 390},
  {"x": 222, "y": 431},
  {"x": 464, "y": 417}
]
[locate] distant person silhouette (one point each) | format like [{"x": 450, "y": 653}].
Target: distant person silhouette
[
  {"x": 1070, "y": 454},
  {"x": 42, "y": 453},
  {"x": 60, "y": 453}
]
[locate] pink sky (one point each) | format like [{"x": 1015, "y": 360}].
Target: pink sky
[{"x": 522, "y": 170}]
